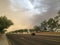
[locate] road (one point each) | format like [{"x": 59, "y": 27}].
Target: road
[{"x": 18, "y": 39}]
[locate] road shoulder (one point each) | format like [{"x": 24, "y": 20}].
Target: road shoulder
[{"x": 3, "y": 40}]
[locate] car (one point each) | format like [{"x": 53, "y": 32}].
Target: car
[{"x": 33, "y": 34}]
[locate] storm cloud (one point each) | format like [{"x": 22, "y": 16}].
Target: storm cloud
[
  {"x": 51, "y": 9},
  {"x": 27, "y": 13}
]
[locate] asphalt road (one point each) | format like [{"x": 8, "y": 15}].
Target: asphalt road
[{"x": 18, "y": 39}]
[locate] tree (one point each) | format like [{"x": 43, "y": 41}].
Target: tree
[
  {"x": 4, "y": 23},
  {"x": 25, "y": 30},
  {"x": 32, "y": 30},
  {"x": 44, "y": 26},
  {"x": 51, "y": 24},
  {"x": 36, "y": 28},
  {"x": 21, "y": 31},
  {"x": 57, "y": 19}
]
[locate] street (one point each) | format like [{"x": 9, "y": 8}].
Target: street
[{"x": 20, "y": 39}]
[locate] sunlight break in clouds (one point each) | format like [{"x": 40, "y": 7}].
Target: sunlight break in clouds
[{"x": 24, "y": 5}]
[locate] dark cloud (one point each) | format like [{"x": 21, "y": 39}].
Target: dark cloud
[{"x": 52, "y": 7}]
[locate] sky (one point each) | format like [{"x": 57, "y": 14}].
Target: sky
[{"x": 27, "y": 13}]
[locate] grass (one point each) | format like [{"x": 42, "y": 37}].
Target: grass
[{"x": 48, "y": 33}]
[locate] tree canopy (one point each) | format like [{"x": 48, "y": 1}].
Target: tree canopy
[
  {"x": 50, "y": 24},
  {"x": 4, "y": 23}
]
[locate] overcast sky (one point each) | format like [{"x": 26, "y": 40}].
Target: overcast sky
[{"x": 27, "y": 13}]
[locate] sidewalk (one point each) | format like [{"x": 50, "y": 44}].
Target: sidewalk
[{"x": 3, "y": 40}]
